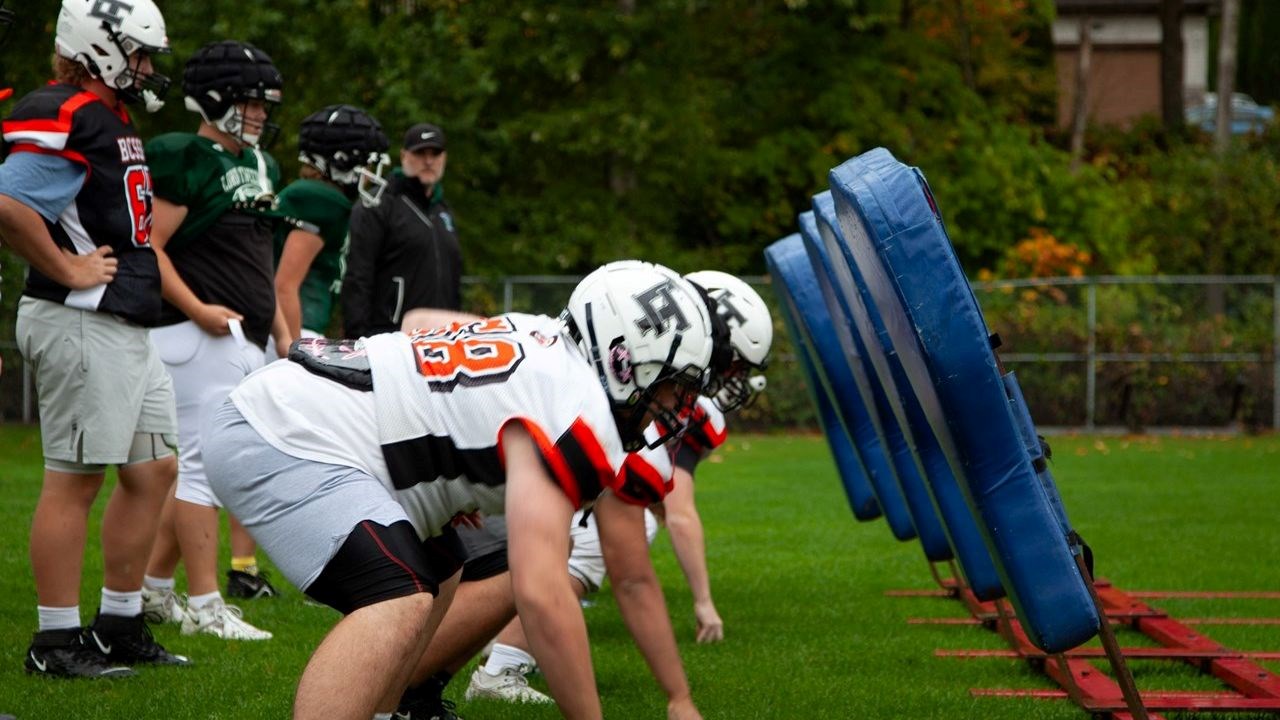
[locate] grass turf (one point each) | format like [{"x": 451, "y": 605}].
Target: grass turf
[{"x": 810, "y": 632}]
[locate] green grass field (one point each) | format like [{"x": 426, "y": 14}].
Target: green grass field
[{"x": 810, "y": 633}]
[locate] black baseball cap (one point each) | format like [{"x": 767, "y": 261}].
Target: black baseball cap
[{"x": 424, "y": 135}]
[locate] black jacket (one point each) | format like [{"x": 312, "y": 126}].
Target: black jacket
[{"x": 403, "y": 254}]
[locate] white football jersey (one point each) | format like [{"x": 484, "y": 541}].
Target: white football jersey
[
  {"x": 655, "y": 467},
  {"x": 428, "y": 424},
  {"x": 707, "y": 430}
]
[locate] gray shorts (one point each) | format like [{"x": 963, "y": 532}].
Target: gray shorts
[
  {"x": 99, "y": 379},
  {"x": 300, "y": 512}
]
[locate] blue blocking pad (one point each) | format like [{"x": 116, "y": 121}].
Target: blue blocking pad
[
  {"x": 894, "y": 234},
  {"x": 876, "y": 430},
  {"x": 939, "y": 493},
  {"x": 853, "y": 475},
  {"x": 858, "y": 408}
]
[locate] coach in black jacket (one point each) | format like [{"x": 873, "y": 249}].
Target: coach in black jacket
[{"x": 404, "y": 251}]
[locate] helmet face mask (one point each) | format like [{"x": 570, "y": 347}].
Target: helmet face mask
[
  {"x": 647, "y": 334},
  {"x": 750, "y": 337},
  {"x": 372, "y": 182},
  {"x": 737, "y": 389},
  {"x": 111, "y": 40},
  {"x": 346, "y": 145}
]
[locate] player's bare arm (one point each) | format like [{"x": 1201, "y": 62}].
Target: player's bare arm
[
  {"x": 300, "y": 250},
  {"x": 280, "y": 333},
  {"x": 24, "y": 231},
  {"x": 538, "y": 551},
  {"x": 166, "y": 218},
  {"x": 688, "y": 541},
  {"x": 640, "y": 599}
]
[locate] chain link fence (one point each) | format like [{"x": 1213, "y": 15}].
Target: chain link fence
[{"x": 1096, "y": 353}]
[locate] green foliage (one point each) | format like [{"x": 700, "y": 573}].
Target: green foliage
[
  {"x": 689, "y": 132},
  {"x": 1140, "y": 319}
]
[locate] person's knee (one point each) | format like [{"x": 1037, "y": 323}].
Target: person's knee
[
  {"x": 150, "y": 477},
  {"x": 65, "y": 488},
  {"x": 409, "y": 612}
]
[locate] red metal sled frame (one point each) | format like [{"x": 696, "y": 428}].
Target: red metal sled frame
[{"x": 1253, "y": 688}]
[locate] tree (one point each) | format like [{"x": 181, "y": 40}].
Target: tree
[{"x": 1171, "y": 64}]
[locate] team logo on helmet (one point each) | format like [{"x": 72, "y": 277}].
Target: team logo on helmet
[
  {"x": 112, "y": 11},
  {"x": 659, "y": 307},
  {"x": 727, "y": 310},
  {"x": 620, "y": 363}
]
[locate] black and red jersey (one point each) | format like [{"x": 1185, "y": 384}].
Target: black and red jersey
[{"x": 113, "y": 207}]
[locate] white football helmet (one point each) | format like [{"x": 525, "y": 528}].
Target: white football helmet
[
  {"x": 750, "y": 336},
  {"x": 639, "y": 325},
  {"x": 101, "y": 35}
]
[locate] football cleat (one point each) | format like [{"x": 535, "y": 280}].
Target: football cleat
[
  {"x": 223, "y": 620},
  {"x": 510, "y": 685},
  {"x": 249, "y": 586},
  {"x": 161, "y": 606},
  {"x": 66, "y": 653},
  {"x": 424, "y": 703},
  {"x": 128, "y": 640}
]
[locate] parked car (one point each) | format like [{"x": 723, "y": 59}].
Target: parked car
[{"x": 1247, "y": 116}]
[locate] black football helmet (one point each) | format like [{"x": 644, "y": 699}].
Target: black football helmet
[
  {"x": 221, "y": 76},
  {"x": 347, "y": 145}
]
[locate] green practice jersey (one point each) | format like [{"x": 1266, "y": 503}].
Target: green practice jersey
[
  {"x": 201, "y": 175},
  {"x": 320, "y": 208}
]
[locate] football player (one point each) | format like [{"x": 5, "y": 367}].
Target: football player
[
  {"x": 75, "y": 202},
  {"x": 350, "y": 462},
  {"x": 214, "y": 224},
  {"x": 736, "y": 380},
  {"x": 343, "y": 153}
]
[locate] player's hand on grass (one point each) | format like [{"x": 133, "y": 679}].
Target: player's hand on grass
[
  {"x": 710, "y": 626},
  {"x": 213, "y": 319},
  {"x": 86, "y": 271},
  {"x": 683, "y": 709}
]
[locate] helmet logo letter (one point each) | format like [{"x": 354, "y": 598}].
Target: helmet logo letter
[
  {"x": 728, "y": 310},
  {"x": 110, "y": 10},
  {"x": 659, "y": 307}
]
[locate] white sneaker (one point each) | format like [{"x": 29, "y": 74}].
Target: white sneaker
[
  {"x": 510, "y": 685},
  {"x": 161, "y": 606},
  {"x": 219, "y": 618}
]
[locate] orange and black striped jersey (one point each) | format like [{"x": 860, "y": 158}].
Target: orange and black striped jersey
[
  {"x": 113, "y": 207},
  {"x": 424, "y": 413}
]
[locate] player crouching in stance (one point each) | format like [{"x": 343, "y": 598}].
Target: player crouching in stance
[
  {"x": 349, "y": 463},
  {"x": 735, "y": 382}
]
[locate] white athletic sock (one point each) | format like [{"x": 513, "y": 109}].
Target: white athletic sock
[
  {"x": 195, "y": 602},
  {"x": 121, "y": 604},
  {"x": 59, "y": 618},
  {"x": 506, "y": 656},
  {"x": 382, "y": 716},
  {"x": 155, "y": 583}
]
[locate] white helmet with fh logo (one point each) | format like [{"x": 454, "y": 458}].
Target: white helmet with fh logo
[{"x": 644, "y": 329}]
